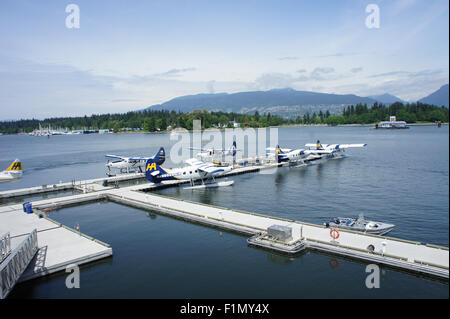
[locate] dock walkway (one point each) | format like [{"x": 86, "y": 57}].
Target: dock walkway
[{"x": 60, "y": 246}]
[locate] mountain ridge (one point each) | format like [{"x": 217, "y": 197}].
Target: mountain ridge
[
  {"x": 279, "y": 101},
  {"x": 285, "y": 102},
  {"x": 438, "y": 97}
]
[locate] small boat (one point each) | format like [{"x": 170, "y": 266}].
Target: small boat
[
  {"x": 360, "y": 224},
  {"x": 391, "y": 125}
]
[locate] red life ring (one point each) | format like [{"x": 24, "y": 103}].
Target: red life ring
[{"x": 334, "y": 233}]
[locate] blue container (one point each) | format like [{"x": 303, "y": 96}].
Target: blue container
[
  {"x": 29, "y": 208},
  {"x": 24, "y": 207}
]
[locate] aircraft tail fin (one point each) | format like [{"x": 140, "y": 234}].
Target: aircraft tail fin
[
  {"x": 278, "y": 151},
  {"x": 160, "y": 156},
  {"x": 152, "y": 170},
  {"x": 233, "y": 148},
  {"x": 15, "y": 166},
  {"x": 319, "y": 145}
]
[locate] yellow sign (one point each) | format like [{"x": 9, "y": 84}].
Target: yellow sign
[{"x": 151, "y": 167}]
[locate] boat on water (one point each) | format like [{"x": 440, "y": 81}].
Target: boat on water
[
  {"x": 360, "y": 224},
  {"x": 390, "y": 125}
]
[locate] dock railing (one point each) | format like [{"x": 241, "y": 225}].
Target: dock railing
[{"x": 12, "y": 267}]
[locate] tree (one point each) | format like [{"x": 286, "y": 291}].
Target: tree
[{"x": 335, "y": 120}]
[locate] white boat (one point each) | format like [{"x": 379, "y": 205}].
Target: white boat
[{"x": 360, "y": 224}]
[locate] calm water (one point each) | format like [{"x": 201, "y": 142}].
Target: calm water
[{"x": 401, "y": 177}]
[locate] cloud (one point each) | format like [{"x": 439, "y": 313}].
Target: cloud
[
  {"x": 426, "y": 72},
  {"x": 409, "y": 86},
  {"x": 269, "y": 81},
  {"x": 339, "y": 54},
  {"x": 287, "y": 58},
  {"x": 210, "y": 86},
  {"x": 393, "y": 73},
  {"x": 174, "y": 72},
  {"x": 318, "y": 73},
  {"x": 356, "y": 70},
  {"x": 275, "y": 80}
]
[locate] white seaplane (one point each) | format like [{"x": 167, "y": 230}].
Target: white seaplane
[
  {"x": 209, "y": 153},
  {"x": 296, "y": 156},
  {"x": 131, "y": 164},
  {"x": 13, "y": 172},
  {"x": 336, "y": 149},
  {"x": 195, "y": 170}
]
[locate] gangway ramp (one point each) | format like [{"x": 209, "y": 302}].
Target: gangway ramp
[
  {"x": 15, "y": 261},
  {"x": 58, "y": 245}
]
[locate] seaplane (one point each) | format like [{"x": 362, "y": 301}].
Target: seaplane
[
  {"x": 132, "y": 164},
  {"x": 207, "y": 153},
  {"x": 13, "y": 172},
  {"x": 194, "y": 171},
  {"x": 335, "y": 149},
  {"x": 296, "y": 156}
]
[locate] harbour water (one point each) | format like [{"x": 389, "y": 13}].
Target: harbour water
[{"x": 400, "y": 178}]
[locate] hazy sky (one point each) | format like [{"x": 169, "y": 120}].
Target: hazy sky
[{"x": 127, "y": 55}]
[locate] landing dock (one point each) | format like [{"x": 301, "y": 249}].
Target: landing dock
[{"x": 60, "y": 246}]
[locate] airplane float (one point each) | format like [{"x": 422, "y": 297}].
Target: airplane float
[
  {"x": 195, "y": 170},
  {"x": 131, "y": 164},
  {"x": 14, "y": 171}
]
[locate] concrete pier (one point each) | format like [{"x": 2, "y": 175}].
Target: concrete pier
[
  {"x": 60, "y": 246},
  {"x": 405, "y": 254}
]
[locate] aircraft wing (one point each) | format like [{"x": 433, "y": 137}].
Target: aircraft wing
[
  {"x": 139, "y": 158},
  {"x": 318, "y": 152},
  {"x": 200, "y": 149},
  {"x": 273, "y": 149},
  {"x": 116, "y": 156},
  {"x": 335, "y": 146},
  {"x": 348, "y": 145}
]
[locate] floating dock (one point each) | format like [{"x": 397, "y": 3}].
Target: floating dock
[{"x": 60, "y": 246}]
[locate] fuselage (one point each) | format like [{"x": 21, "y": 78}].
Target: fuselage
[
  {"x": 10, "y": 175},
  {"x": 194, "y": 172},
  {"x": 123, "y": 164},
  {"x": 14, "y": 171}
]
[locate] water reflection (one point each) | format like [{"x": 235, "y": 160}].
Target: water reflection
[{"x": 279, "y": 259}]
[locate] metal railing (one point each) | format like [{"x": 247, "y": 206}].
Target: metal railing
[
  {"x": 5, "y": 246},
  {"x": 12, "y": 267}
]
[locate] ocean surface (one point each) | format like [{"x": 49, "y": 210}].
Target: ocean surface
[{"x": 401, "y": 177}]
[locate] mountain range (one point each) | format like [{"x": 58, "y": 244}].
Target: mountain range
[
  {"x": 439, "y": 97},
  {"x": 285, "y": 102},
  {"x": 386, "y": 98}
]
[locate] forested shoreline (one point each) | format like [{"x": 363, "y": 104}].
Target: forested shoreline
[{"x": 152, "y": 121}]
